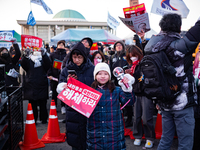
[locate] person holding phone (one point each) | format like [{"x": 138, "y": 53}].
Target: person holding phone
[
  {"x": 79, "y": 67},
  {"x": 54, "y": 72}
]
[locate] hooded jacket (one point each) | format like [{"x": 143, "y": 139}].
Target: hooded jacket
[
  {"x": 11, "y": 63},
  {"x": 179, "y": 54},
  {"x": 76, "y": 122},
  {"x": 118, "y": 60}
]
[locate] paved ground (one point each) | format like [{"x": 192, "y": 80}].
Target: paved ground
[{"x": 42, "y": 129}]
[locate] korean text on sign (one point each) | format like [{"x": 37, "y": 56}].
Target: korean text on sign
[{"x": 80, "y": 97}]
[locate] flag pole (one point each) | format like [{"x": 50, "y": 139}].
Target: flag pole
[
  {"x": 30, "y": 6},
  {"x": 107, "y": 27}
]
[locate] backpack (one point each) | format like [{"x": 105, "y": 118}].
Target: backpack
[{"x": 159, "y": 79}]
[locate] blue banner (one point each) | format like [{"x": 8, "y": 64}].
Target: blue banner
[{"x": 31, "y": 20}]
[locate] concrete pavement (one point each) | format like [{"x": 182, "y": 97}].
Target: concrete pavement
[{"x": 42, "y": 129}]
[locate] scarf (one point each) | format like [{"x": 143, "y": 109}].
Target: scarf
[{"x": 135, "y": 63}]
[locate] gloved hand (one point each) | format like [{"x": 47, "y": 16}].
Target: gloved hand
[
  {"x": 130, "y": 82},
  {"x": 43, "y": 51},
  {"x": 14, "y": 41},
  {"x": 136, "y": 37},
  {"x": 27, "y": 52}
]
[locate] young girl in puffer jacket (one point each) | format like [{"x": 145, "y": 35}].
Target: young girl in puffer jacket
[{"x": 105, "y": 129}]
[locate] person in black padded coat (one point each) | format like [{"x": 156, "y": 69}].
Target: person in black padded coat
[
  {"x": 76, "y": 122},
  {"x": 53, "y": 72},
  {"x": 10, "y": 63}
]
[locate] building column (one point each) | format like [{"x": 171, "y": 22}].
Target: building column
[
  {"x": 35, "y": 30},
  {"x": 49, "y": 33},
  {"x": 63, "y": 28},
  {"x": 22, "y": 29}
]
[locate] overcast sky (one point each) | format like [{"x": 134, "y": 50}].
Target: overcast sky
[{"x": 92, "y": 10}]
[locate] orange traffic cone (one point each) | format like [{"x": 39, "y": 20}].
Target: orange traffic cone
[
  {"x": 31, "y": 140},
  {"x": 158, "y": 126},
  {"x": 53, "y": 134}
]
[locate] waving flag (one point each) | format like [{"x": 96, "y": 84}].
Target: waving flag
[
  {"x": 43, "y": 4},
  {"x": 162, "y": 7},
  {"x": 112, "y": 22},
  {"x": 31, "y": 20}
]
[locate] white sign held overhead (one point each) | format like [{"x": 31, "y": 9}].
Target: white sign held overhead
[
  {"x": 161, "y": 7},
  {"x": 112, "y": 22}
]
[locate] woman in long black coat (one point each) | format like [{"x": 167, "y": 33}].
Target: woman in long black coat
[{"x": 36, "y": 83}]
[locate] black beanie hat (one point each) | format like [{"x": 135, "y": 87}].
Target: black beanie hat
[{"x": 89, "y": 41}]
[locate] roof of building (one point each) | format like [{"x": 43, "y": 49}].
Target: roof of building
[{"x": 69, "y": 14}]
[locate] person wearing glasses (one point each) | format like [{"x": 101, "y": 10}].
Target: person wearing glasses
[{"x": 83, "y": 72}]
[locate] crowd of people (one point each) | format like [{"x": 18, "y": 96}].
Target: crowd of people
[{"x": 105, "y": 127}]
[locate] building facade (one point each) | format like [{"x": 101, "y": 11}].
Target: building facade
[{"x": 63, "y": 20}]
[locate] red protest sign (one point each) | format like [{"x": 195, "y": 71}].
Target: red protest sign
[
  {"x": 196, "y": 66},
  {"x": 80, "y": 97},
  {"x": 134, "y": 10},
  {"x": 31, "y": 41}
]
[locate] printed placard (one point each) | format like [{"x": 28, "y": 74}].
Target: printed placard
[
  {"x": 6, "y": 35},
  {"x": 80, "y": 97},
  {"x": 134, "y": 10},
  {"x": 31, "y": 41}
]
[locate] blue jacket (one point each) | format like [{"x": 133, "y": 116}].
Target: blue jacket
[
  {"x": 76, "y": 122},
  {"x": 105, "y": 128}
]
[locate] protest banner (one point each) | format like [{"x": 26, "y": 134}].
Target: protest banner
[
  {"x": 133, "y": 2},
  {"x": 31, "y": 41},
  {"x": 196, "y": 66},
  {"x": 134, "y": 10},
  {"x": 137, "y": 23},
  {"x": 6, "y": 35},
  {"x": 80, "y": 97}
]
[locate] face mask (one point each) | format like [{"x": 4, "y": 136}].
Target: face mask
[
  {"x": 5, "y": 55},
  {"x": 134, "y": 59},
  {"x": 97, "y": 60}
]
